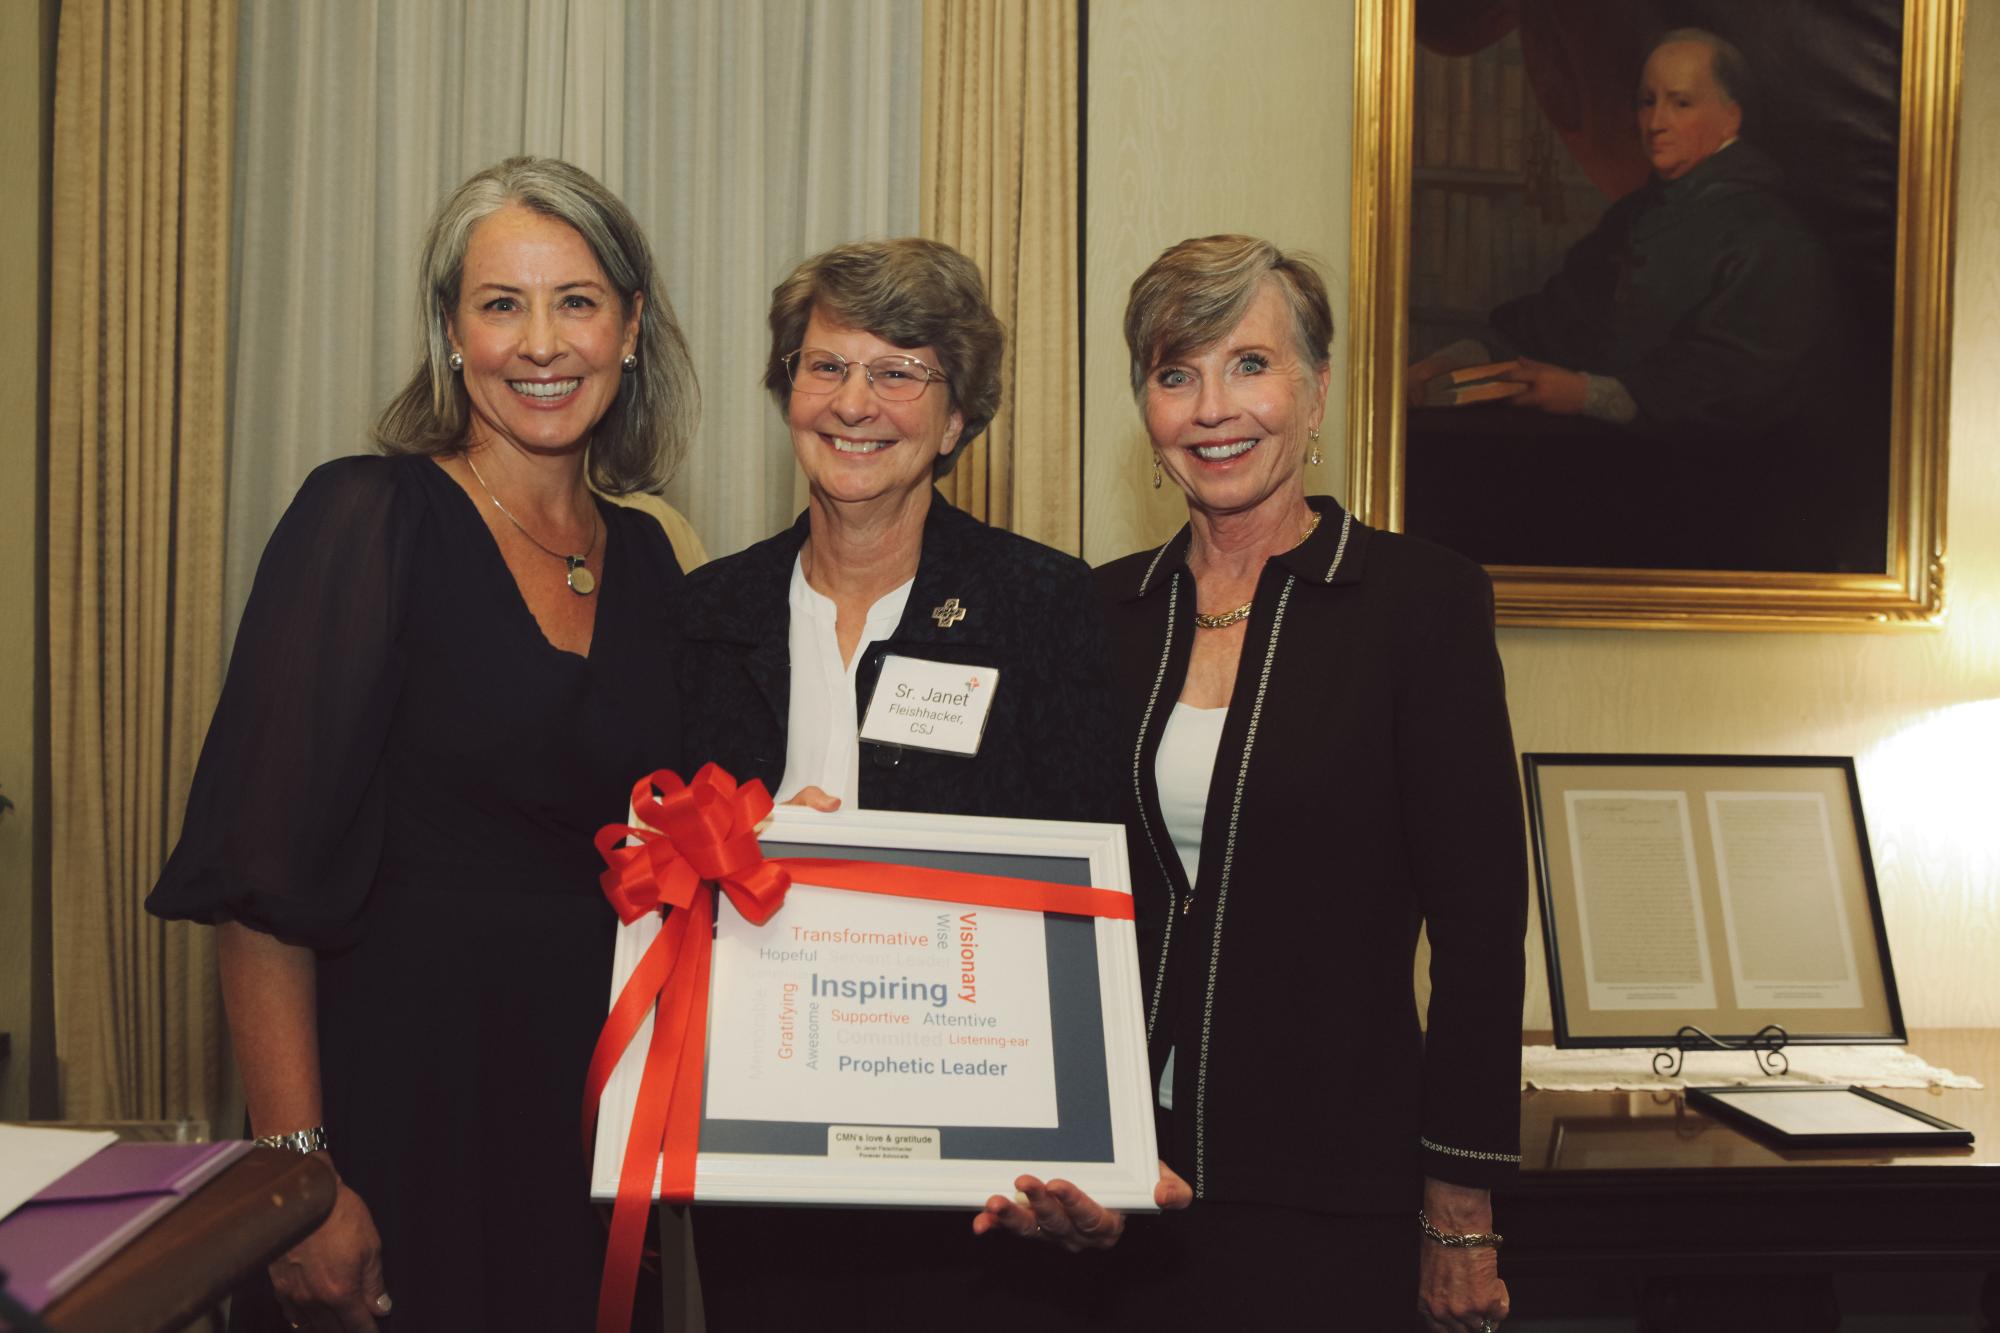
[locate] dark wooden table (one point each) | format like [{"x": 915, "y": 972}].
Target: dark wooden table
[
  {"x": 1641, "y": 1183},
  {"x": 187, "y": 1262}
]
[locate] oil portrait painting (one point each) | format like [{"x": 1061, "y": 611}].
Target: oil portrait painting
[{"x": 1654, "y": 323}]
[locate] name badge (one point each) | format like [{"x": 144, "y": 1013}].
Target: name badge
[{"x": 930, "y": 705}]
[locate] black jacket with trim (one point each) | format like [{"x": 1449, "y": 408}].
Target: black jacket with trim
[{"x": 1365, "y": 786}]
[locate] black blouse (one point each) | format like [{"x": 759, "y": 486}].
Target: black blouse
[{"x": 404, "y": 774}]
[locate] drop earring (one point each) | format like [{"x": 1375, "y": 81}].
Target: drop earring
[
  {"x": 1313, "y": 457},
  {"x": 1156, "y": 472}
]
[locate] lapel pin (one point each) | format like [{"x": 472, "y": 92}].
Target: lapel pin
[{"x": 949, "y": 614}]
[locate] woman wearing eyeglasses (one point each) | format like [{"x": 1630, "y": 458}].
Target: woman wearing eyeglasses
[{"x": 885, "y": 360}]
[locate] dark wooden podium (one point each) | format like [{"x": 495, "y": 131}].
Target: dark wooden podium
[
  {"x": 1643, "y": 1185},
  {"x": 186, "y": 1263}
]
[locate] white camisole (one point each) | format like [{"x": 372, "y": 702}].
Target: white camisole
[{"x": 1182, "y": 771}]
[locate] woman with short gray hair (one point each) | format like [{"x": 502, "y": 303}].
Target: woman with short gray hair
[
  {"x": 446, "y": 679},
  {"x": 885, "y": 360},
  {"x": 1316, "y": 724}
]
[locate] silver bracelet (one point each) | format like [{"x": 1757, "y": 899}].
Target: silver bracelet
[
  {"x": 299, "y": 1140},
  {"x": 1457, "y": 1240}
]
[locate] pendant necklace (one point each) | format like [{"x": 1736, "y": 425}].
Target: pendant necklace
[
  {"x": 581, "y": 581},
  {"x": 1224, "y": 619}
]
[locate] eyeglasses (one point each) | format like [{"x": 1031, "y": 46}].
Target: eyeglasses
[{"x": 897, "y": 378}]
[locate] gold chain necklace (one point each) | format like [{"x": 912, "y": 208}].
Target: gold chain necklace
[
  {"x": 580, "y": 580},
  {"x": 1228, "y": 618}
]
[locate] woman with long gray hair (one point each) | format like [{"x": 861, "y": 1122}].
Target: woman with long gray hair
[{"x": 447, "y": 677}]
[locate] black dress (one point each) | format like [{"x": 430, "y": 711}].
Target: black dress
[{"x": 404, "y": 774}]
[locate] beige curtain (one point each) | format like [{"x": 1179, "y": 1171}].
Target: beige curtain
[
  {"x": 736, "y": 130},
  {"x": 139, "y": 342},
  {"x": 1000, "y": 182}
]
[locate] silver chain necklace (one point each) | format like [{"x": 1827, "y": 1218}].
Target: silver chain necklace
[{"x": 581, "y": 581}]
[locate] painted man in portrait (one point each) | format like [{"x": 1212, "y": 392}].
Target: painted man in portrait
[
  {"x": 1701, "y": 301},
  {"x": 1693, "y": 382}
]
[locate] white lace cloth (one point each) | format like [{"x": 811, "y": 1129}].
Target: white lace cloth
[{"x": 1629, "y": 1069}]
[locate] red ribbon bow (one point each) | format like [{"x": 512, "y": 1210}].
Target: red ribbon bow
[{"x": 693, "y": 836}]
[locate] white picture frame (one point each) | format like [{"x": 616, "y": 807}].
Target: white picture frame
[{"x": 1118, "y": 1111}]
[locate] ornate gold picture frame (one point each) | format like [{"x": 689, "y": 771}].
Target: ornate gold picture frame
[{"x": 1906, "y": 588}]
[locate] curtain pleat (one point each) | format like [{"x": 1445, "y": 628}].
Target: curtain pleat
[
  {"x": 768, "y": 132},
  {"x": 744, "y": 135},
  {"x": 1000, "y": 182},
  {"x": 139, "y": 341}
]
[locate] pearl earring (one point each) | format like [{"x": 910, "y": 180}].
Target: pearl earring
[
  {"x": 631, "y": 363},
  {"x": 455, "y": 361}
]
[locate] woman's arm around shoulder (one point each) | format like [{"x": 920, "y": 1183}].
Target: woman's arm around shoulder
[{"x": 1071, "y": 719}]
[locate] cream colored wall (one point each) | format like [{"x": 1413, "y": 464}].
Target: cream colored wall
[
  {"x": 24, "y": 90},
  {"x": 1204, "y": 116},
  {"x": 1201, "y": 121}
]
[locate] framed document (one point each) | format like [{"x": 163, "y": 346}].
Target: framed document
[
  {"x": 1795, "y": 1117},
  {"x": 1725, "y": 892},
  {"x": 866, "y": 1048}
]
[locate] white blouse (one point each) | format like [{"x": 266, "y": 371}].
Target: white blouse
[
  {"x": 822, "y": 728},
  {"x": 1182, "y": 771}
]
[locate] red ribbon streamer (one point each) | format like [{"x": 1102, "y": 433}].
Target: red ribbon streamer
[{"x": 693, "y": 838}]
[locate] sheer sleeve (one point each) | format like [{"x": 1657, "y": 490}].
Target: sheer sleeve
[{"x": 285, "y": 818}]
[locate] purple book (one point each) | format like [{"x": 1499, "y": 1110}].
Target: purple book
[{"x": 54, "y": 1240}]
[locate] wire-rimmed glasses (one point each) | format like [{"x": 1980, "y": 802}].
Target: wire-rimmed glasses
[{"x": 897, "y": 378}]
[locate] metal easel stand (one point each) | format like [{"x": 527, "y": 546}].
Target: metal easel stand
[{"x": 1767, "y": 1044}]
